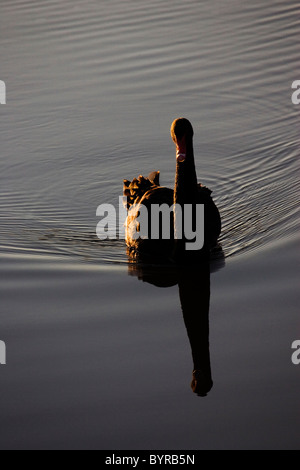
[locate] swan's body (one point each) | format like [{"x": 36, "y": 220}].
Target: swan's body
[{"x": 147, "y": 192}]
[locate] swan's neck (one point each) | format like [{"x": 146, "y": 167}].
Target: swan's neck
[{"x": 185, "y": 191}]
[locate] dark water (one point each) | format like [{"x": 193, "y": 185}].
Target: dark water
[{"x": 97, "y": 358}]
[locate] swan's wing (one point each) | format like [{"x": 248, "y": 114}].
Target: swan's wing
[
  {"x": 136, "y": 189},
  {"x": 154, "y": 177}
]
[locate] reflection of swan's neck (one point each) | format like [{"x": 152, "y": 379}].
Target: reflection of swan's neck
[{"x": 194, "y": 291}]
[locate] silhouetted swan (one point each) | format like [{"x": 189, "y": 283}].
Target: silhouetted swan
[{"x": 148, "y": 192}]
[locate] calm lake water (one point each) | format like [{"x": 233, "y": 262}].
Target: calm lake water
[{"x": 96, "y": 358}]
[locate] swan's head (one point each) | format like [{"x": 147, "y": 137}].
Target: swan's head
[{"x": 181, "y": 132}]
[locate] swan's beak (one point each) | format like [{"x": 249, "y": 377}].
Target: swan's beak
[{"x": 181, "y": 151}]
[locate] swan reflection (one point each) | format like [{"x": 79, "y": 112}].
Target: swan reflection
[{"x": 194, "y": 293}]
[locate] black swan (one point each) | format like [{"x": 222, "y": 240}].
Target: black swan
[{"x": 144, "y": 193}]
